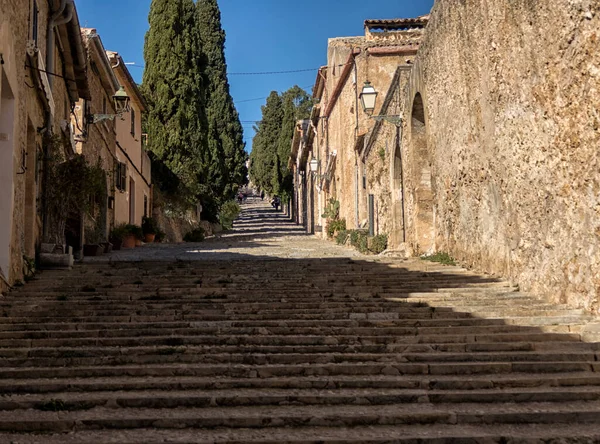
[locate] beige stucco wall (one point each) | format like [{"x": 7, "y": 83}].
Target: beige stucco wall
[
  {"x": 511, "y": 95},
  {"x": 130, "y": 151}
]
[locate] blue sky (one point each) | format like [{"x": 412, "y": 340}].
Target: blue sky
[{"x": 262, "y": 36}]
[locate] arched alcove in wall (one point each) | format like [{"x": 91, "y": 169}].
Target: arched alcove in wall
[{"x": 423, "y": 223}]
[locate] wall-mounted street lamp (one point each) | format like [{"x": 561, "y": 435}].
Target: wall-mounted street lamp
[
  {"x": 314, "y": 167},
  {"x": 121, "y": 102},
  {"x": 368, "y": 98}
]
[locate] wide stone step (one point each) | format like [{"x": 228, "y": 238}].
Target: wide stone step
[
  {"x": 190, "y": 354},
  {"x": 307, "y": 416},
  {"x": 179, "y": 365},
  {"x": 399, "y": 434},
  {"x": 494, "y": 382},
  {"x": 155, "y": 399}
]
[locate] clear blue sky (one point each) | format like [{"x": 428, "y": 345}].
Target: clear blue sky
[{"x": 262, "y": 35}]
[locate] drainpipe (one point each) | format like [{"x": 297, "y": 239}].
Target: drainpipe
[{"x": 356, "y": 128}]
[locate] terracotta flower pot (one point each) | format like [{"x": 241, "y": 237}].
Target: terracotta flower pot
[
  {"x": 149, "y": 237},
  {"x": 128, "y": 241}
]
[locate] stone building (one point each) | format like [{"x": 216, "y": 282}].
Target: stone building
[
  {"x": 96, "y": 137},
  {"x": 42, "y": 76},
  {"x": 352, "y": 149},
  {"x": 501, "y": 142},
  {"x": 133, "y": 183}
]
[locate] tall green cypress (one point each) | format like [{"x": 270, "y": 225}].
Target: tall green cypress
[
  {"x": 264, "y": 158},
  {"x": 174, "y": 87},
  {"x": 225, "y": 133},
  {"x": 272, "y": 144}
]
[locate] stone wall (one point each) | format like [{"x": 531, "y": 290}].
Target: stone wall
[{"x": 506, "y": 142}]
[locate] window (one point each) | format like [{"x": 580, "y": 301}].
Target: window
[
  {"x": 121, "y": 177},
  {"x": 145, "y": 206},
  {"x": 34, "y": 23},
  {"x": 132, "y": 112}
]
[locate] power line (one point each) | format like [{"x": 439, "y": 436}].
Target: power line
[
  {"x": 258, "y": 73},
  {"x": 263, "y": 98}
]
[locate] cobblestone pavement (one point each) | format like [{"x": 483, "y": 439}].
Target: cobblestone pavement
[{"x": 259, "y": 232}]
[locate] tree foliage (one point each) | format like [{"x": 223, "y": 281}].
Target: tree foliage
[
  {"x": 194, "y": 130},
  {"x": 271, "y": 145}
]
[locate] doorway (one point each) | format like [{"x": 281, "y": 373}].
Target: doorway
[
  {"x": 424, "y": 220},
  {"x": 131, "y": 201}
]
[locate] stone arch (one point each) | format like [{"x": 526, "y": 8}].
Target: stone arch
[
  {"x": 422, "y": 178},
  {"x": 398, "y": 233}
]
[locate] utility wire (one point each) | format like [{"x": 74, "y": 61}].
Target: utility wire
[
  {"x": 259, "y": 73},
  {"x": 263, "y": 98}
]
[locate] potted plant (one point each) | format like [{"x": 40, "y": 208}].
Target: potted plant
[
  {"x": 117, "y": 235},
  {"x": 149, "y": 228},
  {"x": 136, "y": 234},
  {"x": 93, "y": 239}
]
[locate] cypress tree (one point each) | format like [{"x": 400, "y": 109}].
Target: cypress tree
[
  {"x": 225, "y": 133},
  {"x": 272, "y": 144},
  {"x": 264, "y": 158},
  {"x": 174, "y": 87}
]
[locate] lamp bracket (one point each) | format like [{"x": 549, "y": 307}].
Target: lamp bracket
[
  {"x": 393, "y": 119},
  {"x": 97, "y": 118}
]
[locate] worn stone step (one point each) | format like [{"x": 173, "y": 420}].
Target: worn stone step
[
  {"x": 176, "y": 365},
  {"x": 156, "y": 399},
  {"x": 517, "y": 381},
  {"x": 191, "y": 354},
  {"x": 400, "y": 434},
  {"x": 307, "y": 416}
]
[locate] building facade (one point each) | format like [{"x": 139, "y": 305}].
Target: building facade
[
  {"x": 133, "y": 183},
  {"x": 42, "y": 76},
  {"x": 352, "y": 149}
]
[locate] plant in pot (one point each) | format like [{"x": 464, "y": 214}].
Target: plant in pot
[
  {"x": 149, "y": 228},
  {"x": 118, "y": 234},
  {"x": 93, "y": 242},
  {"x": 135, "y": 232},
  {"x": 72, "y": 188}
]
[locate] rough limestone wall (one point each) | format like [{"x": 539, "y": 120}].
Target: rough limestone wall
[
  {"x": 511, "y": 91},
  {"x": 378, "y": 178}
]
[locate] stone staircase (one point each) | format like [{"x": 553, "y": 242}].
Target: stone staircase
[{"x": 292, "y": 351}]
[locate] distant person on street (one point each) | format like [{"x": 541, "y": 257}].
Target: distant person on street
[
  {"x": 276, "y": 202},
  {"x": 262, "y": 195}
]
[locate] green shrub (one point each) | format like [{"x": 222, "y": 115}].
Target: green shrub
[
  {"x": 332, "y": 210},
  {"x": 342, "y": 237},
  {"x": 378, "y": 243},
  {"x": 149, "y": 225},
  {"x": 119, "y": 232},
  {"x": 136, "y": 230},
  {"x": 229, "y": 212},
  {"x": 359, "y": 240},
  {"x": 196, "y": 235},
  {"x": 441, "y": 257},
  {"x": 335, "y": 225}
]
